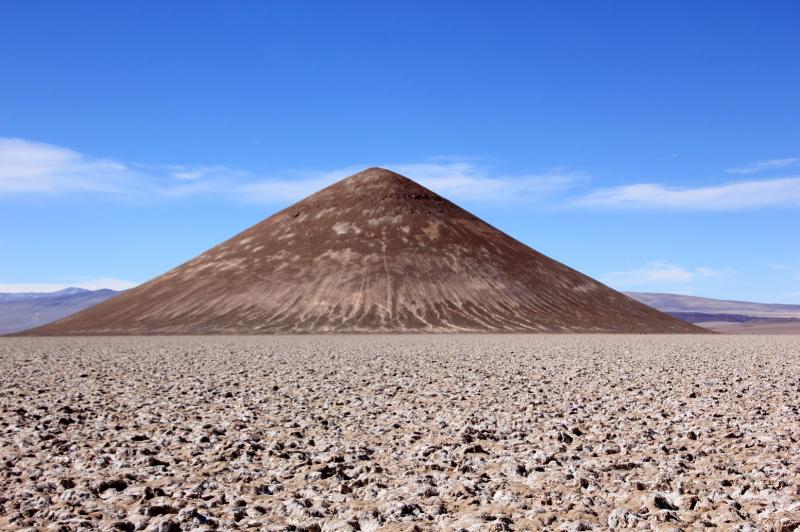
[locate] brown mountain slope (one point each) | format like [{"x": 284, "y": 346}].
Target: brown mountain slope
[{"x": 375, "y": 252}]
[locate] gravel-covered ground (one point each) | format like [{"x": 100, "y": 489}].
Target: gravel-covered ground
[{"x": 400, "y": 433}]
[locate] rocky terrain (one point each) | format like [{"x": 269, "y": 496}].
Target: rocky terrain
[{"x": 395, "y": 433}]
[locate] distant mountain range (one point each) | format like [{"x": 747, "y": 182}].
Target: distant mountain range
[
  {"x": 704, "y": 305},
  {"x": 21, "y": 311},
  {"x": 724, "y": 315},
  {"x": 28, "y": 296}
]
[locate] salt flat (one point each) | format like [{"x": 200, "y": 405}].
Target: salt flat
[{"x": 475, "y": 432}]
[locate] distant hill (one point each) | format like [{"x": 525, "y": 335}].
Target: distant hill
[
  {"x": 726, "y": 316},
  {"x": 682, "y": 303},
  {"x": 21, "y": 311},
  {"x": 27, "y": 296}
]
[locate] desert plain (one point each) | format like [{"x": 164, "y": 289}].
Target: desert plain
[{"x": 404, "y": 432}]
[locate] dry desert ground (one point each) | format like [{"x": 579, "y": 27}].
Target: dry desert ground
[{"x": 448, "y": 432}]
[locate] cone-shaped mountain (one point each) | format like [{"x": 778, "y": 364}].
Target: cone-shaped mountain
[{"x": 375, "y": 252}]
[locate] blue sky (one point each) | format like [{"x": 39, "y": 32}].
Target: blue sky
[{"x": 652, "y": 145}]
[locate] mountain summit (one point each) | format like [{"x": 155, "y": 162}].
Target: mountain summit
[{"x": 375, "y": 252}]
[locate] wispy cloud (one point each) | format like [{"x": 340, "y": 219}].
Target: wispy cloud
[
  {"x": 779, "y": 267},
  {"x": 288, "y": 187},
  {"x": 36, "y": 168},
  {"x": 783, "y": 192},
  {"x": 467, "y": 180},
  {"x": 92, "y": 284},
  {"x": 786, "y": 270},
  {"x": 453, "y": 178},
  {"x": 32, "y": 167},
  {"x": 657, "y": 273},
  {"x": 764, "y": 166}
]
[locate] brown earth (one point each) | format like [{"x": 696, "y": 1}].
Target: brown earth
[{"x": 375, "y": 252}]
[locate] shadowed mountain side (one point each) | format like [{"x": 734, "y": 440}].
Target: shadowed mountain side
[{"x": 375, "y": 252}]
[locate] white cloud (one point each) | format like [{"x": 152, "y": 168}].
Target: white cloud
[
  {"x": 657, "y": 273},
  {"x": 779, "y": 267},
  {"x": 783, "y": 192},
  {"x": 291, "y": 187},
  {"x": 93, "y": 284},
  {"x": 467, "y": 180},
  {"x": 189, "y": 173},
  {"x": 35, "y": 167},
  {"x": 32, "y": 167},
  {"x": 20, "y": 159},
  {"x": 786, "y": 270},
  {"x": 763, "y": 166}
]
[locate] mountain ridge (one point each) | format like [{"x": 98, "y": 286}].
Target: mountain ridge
[
  {"x": 685, "y": 303},
  {"x": 24, "y": 310},
  {"x": 27, "y": 296}
]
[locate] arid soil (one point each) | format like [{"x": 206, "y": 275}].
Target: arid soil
[{"x": 391, "y": 433}]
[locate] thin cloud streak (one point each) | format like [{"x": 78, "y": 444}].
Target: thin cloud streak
[
  {"x": 657, "y": 273},
  {"x": 784, "y": 192},
  {"x": 455, "y": 179},
  {"x": 787, "y": 270},
  {"x": 36, "y": 168},
  {"x": 30, "y": 167},
  {"x": 33, "y": 167},
  {"x": 764, "y": 166},
  {"x": 465, "y": 180}
]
